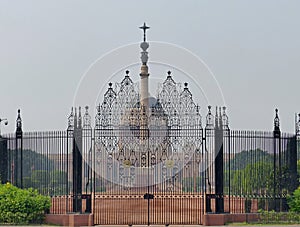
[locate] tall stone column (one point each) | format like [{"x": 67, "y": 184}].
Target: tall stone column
[{"x": 144, "y": 84}]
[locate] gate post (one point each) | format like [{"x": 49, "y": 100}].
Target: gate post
[
  {"x": 294, "y": 157},
  {"x": 3, "y": 155},
  {"x": 291, "y": 162},
  {"x": 3, "y": 160},
  {"x": 77, "y": 163},
  {"x": 208, "y": 132},
  {"x": 219, "y": 165},
  {"x": 277, "y": 149},
  {"x": 18, "y": 149}
]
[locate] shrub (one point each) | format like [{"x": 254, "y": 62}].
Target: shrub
[
  {"x": 22, "y": 206},
  {"x": 272, "y": 217},
  {"x": 294, "y": 201}
]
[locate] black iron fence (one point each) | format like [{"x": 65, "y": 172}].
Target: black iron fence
[
  {"x": 93, "y": 170},
  {"x": 259, "y": 170}
]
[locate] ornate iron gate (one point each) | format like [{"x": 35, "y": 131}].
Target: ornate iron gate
[{"x": 148, "y": 162}]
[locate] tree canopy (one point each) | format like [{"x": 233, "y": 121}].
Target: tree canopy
[{"x": 242, "y": 159}]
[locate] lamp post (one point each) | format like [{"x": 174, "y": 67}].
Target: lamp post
[{"x": 5, "y": 123}]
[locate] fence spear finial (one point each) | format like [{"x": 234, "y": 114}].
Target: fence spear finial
[{"x": 216, "y": 118}]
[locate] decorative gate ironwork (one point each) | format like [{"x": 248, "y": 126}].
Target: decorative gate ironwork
[{"x": 148, "y": 166}]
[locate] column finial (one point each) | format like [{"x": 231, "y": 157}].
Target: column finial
[
  {"x": 144, "y": 45},
  {"x": 144, "y": 28}
]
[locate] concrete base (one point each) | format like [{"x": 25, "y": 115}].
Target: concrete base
[
  {"x": 222, "y": 219},
  {"x": 70, "y": 219}
]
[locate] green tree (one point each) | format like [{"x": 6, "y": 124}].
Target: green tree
[
  {"x": 27, "y": 183},
  {"x": 258, "y": 178},
  {"x": 255, "y": 178},
  {"x": 40, "y": 177},
  {"x": 51, "y": 183},
  {"x": 40, "y": 180},
  {"x": 58, "y": 182},
  {"x": 58, "y": 177},
  {"x": 33, "y": 161},
  {"x": 192, "y": 184},
  {"x": 242, "y": 159}
]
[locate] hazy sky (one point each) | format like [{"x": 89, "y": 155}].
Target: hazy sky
[{"x": 252, "y": 48}]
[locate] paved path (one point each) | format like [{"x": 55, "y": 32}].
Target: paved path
[
  {"x": 199, "y": 225},
  {"x": 236, "y": 225}
]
